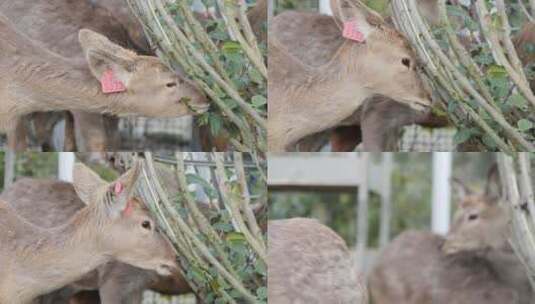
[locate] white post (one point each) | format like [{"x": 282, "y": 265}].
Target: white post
[
  {"x": 362, "y": 213},
  {"x": 9, "y": 167},
  {"x": 440, "y": 220},
  {"x": 386, "y": 199},
  {"x": 65, "y": 166},
  {"x": 271, "y": 9},
  {"x": 325, "y": 7}
]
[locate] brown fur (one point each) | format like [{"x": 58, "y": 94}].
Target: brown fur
[
  {"x": 58, "y": 202},
  {"x": 318, "y": 79},
  {"x": 79, "y": 87},
  {"x": 472, "y": 264},
  {"x": 80, "y": 244},
  {"x": 310, "y": 263}
]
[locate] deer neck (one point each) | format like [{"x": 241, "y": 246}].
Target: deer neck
[
  {"x": 58, "y": 256},
  {"x": 57, "y": 84},
  {"x": 318, "y": 108},
  {"x": 315, "y": 99},
  {"x": 508, "y": 266}
]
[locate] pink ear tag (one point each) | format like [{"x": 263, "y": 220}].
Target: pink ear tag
[
  {"x": 352, "y": 32},
  {"x": 110, "y": 84},
  {"x": 129, "y": 208},
  {"x": 118, "y": 188}
]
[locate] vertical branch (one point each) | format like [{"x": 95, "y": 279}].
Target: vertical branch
[
  {"x": 522, "y": 228},
  {"x": 246, "y": 200},
  {"x": 234, "y": 207},
  {"x": 174, "y": 217}
]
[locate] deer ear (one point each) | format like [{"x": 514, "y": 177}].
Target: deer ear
[
  {"x": 86, "y": 183},
  {"x": 123, "y": 189},
  {"x": 358, "y": 21},
  {"x": 459, "y": 188},
  {"x": 104, "y": 56},
  {"x": 493, "y": 187}
]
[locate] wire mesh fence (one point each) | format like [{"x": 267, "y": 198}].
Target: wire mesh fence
[
  {"x": 174, "y": 133},
  {"x": 150, "y": 297},
  {"x": 418, "y": 139}
]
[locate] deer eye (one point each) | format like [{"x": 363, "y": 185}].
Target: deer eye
[
  {"x": 406, "y": 62},
  {"x": 146, "y": 225},
  {"x": 171, "y": 84},
  {"x": 472, "y": 217}
]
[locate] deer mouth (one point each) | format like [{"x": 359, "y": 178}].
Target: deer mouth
[
  {"x": 166, "y": 269},
  {"x": 195, "y": 106},
  {"x": 419, "y": 106},
  {"x": 200, "y": 108}
]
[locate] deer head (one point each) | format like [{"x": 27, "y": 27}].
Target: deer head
[
  {"x": 480, "y": 222},
  {"x": 323, "y": 68},
  {"x": 148, "y": 86},
  {"x": 384, "y": 60},
  {"x": 132, "y": 236}
]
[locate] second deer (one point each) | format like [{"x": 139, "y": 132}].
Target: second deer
[
  {"x": 113, "y": 226},
  {"x": 474, "y": 263}
]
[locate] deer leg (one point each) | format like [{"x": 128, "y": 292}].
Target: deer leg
[
  {"x": 373, "y": 133},
  {"x": 90, "y": 131},
  {"x": 17, "y": 139},
  {"x": 122, "y": 284},
  {"x": 70, "y": 136},
  {"x": 111, "y": 124},
  {"x": 345, "y": 138},
  {"x": 85, "y": 297}
]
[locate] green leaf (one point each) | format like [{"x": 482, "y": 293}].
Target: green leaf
[
  {"x": 524, "y": 125},
  {"x": 231, "y": 47},
  {"x": 215, "y": 124},
  {"x": 489, "y": 142},
  {"x": 262, "y": 292},
  {"x": 255, "y": 76},
  {"x": 260, "y": 267},
  {"x": 258, "y": 101},
  {"x": 207, "y": 187},
  {"x": 519, "y": 101},
  {"x": 225, "y": 227},
  {"x": 235, "y": 237},
  {"x": 461, "y": 136},
  {"x": 496, "y": 71}
]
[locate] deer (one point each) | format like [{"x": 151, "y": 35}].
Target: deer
[
  {"x": 117, "y": 282},
  {"x": 136, "y": 77},
  {"x": 378, "y": 127},
  {"x": 114, "y": 225},
  {"x": 377, "y": 124},
  {"x": 473, "y": 263},
  {"x": 319, "y": 78},
  {"x": 310, "y": 263}
]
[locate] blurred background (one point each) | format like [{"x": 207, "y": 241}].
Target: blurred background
[{"x": 370, "y": 198}]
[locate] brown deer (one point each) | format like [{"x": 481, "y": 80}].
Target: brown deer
[
  {"x": 318, "y": 78},
  {"x": 378, "y": 123},
  {"x": 117, "y": 282},
  {"x": 38, "y": 88},
  {"x": 113, "y": 226},
  {"x": 378, "y": 128},
  {"x": 85, "y": 131},
  {"x": 310, "y": 263},
  {"x": 474, "y": 263}
]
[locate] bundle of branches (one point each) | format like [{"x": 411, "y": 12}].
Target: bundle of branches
[
  {"x": 518, "y": 182},
  {"x": 220, "y": 52},
  {"x": 482, "y": 83},
  {"x": 220, "y": 244}
]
